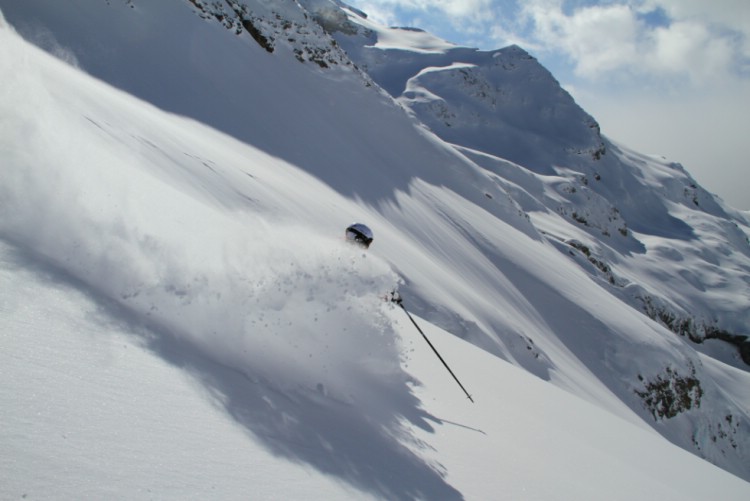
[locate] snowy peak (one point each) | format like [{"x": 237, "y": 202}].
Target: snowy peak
[
  {"x": 508, "y": 106},
  {"x": 501, "y": 102}
]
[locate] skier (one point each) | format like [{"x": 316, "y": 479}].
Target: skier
[{"x": 359, "y": 234}]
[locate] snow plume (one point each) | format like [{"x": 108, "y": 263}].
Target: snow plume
[
  {"x": 239, "y": 292},
  {"x": 268, "y": 297}
]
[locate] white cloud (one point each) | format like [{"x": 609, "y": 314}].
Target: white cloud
[
  {"x": 596, "y": 38},
  {"x": 688, "y": 48},
  {"x": 734, "y": 14},
  {"x": 460, "y": 8},
  {"x": 731, "y": 18},
  {"x": 613, "y": 40},
  {"x": 463, "y": 14}
]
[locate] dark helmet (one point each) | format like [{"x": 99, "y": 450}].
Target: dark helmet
[{"x": 360, "y": 234}]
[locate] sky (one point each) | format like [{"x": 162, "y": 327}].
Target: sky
[{"x": 666, "y": 77}]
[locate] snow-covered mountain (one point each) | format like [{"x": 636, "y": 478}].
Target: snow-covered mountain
[{"x": 171, "y": 250}]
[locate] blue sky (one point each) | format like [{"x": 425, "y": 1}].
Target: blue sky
[{"x": 670, "y": 77}]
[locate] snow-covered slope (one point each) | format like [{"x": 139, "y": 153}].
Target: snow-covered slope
[
  {"x": 221, "y": 256},
  {"x": 95, "y": 405}
]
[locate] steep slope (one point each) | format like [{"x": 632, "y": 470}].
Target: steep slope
[
  {"x": 171, "y": 331},
  {"x": 538, "y": 264}
]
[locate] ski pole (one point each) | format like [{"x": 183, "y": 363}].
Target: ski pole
[{"x": 401, "y": 304}]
